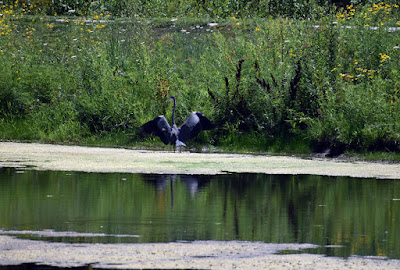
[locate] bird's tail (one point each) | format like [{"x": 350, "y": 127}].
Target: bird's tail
[{"x": 180, "y": 143}]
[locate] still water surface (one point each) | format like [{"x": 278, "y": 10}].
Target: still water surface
[{"x": 345, "y": 216}]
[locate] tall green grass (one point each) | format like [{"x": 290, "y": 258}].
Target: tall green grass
[
  {"x": 331, "y": 81},
  {"x": 299, "y": 9}
]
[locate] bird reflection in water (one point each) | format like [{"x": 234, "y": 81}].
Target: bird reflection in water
[{"x": 193, "y": 184}]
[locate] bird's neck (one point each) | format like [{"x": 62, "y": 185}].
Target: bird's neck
[{"x": 173, "y": 113}]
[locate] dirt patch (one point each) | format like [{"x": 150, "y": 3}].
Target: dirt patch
[{"x": 95, "y": 159}]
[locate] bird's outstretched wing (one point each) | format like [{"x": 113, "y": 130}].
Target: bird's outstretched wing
[
  {"x": 159, "y": 127},
  {"x": 195, "y": 123}
]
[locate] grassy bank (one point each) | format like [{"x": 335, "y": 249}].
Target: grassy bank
[{"x": 323, "y": 83}]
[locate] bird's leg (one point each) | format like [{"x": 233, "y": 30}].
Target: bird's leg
[{"x": 179, "y": 144}]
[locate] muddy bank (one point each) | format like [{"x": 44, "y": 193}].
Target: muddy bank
[
  {"x": 198, "y": 254},
  {"x": 94, "y": 159}
]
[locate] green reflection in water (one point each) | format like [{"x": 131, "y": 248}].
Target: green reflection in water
[{"x": 361, "y": 215}]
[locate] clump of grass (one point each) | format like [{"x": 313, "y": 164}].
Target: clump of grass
[{"x": 359, "y": 109}]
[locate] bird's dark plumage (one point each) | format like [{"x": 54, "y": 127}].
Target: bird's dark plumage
[
  {"x": 193, "y": 125},
  {"x": 160, "y": 127}
]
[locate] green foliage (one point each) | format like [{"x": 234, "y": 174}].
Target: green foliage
[
  {"x": 300, "y": 9},
  {"x": 361, "y": 101},
  {"x": 334, "y": 81}
]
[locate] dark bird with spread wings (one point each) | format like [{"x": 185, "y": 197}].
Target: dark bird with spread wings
[{"x": 175, "y": 136}]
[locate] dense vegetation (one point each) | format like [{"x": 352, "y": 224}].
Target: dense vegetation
[{"x": 267, "y": 74}]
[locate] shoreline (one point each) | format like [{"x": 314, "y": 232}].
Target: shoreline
[{"x": 108, "y": 160}]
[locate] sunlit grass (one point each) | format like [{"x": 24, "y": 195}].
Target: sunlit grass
[{"x": 77, "y": 78}]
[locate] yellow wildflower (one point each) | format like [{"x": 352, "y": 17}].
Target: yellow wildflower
[{"x": 384, "y": 57}]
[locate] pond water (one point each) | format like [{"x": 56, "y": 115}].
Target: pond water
[{"x": 345, "y": 216}]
